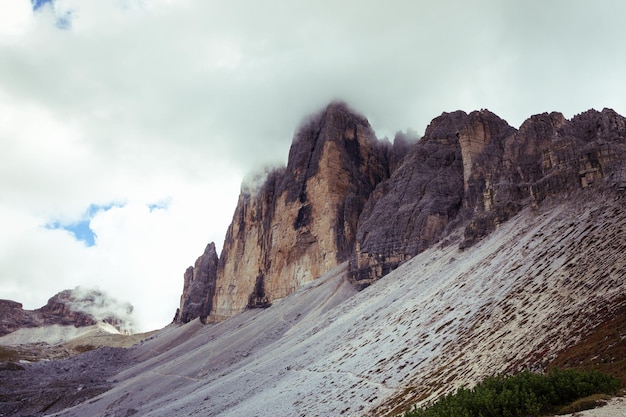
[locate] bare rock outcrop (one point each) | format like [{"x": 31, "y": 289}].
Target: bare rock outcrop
[
  {"x": 199, "y": 287},
  {"x": 293, "y": 224},
  {"x": 413, "y": 209},
  {"x": 13, "y": 317},
  {"x": 475, "y": 171},
  {"x": 548, "y": 156},
  {"x": 344, "y": 195},
  {"x": 302, "y": 221}
]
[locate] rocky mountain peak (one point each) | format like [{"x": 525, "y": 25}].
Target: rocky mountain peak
[
  {"x": 336, "y": 127},
  {"x": 345, "y": 195},
  {"x": 295, "y": 223},
  {"x": 199, "y": 287},
  {"x": 592, "y": 124},
  {"x": 77, "y": 307}
]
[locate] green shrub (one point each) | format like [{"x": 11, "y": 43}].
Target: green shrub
[{"x": 524, "y": 394}]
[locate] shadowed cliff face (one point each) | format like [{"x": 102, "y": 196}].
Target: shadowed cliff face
[
  {"x": 548, "y": 156},
  {"x": 199, "y": 287},
  {"x": 346, "y": 196},
  {"x": 474, "y": 171},
  {"x": 414, "y": 208}
]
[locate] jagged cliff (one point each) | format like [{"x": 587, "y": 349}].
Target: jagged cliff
[
  {"x": 298, "y": 222},
  {"x": 413, "y": 209},
  {"x": 199, "y": 287},
  {"x": 548, "y": 156},
  {"x": 344, "y": 195},
  {"x": 475, "y": 171}
]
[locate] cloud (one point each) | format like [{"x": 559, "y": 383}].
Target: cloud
[
  {"x": 101, "y": 306},
  {"x": 142, "y": 102}
]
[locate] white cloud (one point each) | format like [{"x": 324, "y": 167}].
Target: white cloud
[
  {"x": 142, "y": 101},
  {"x": 14, "y": 20}
]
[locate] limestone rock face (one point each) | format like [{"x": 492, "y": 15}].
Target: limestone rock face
[
  {"x": 548, "y": 156},
  {"x": 412, "y": 210},
  {"x": 344, "y": 195},
  {"x": 199, "y": 287},
  {"x": 477, "y": 171},
  {"x": 302, "y": 221}
]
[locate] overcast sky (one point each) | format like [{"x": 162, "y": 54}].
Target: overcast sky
[{"x": 126, "y": 126}]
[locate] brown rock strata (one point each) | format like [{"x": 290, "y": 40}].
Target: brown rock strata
[{"x": 302, "y": 221}]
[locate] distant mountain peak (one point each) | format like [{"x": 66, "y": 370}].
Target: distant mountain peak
[{"x": 76, "y": 307}]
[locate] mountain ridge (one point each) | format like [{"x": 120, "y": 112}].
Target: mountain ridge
[
  {"x": 344, "y": 195},
  {"x": 78, "y": 307}
]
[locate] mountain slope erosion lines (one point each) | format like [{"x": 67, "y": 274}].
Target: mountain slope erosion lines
[{"x": 445, "y": 318}]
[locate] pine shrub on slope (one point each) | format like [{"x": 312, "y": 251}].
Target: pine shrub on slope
[{"x": 524, "y": 394}]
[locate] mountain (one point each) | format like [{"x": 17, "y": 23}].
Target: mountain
[
  {"x": 366, "y": 276},
  {"x": 297, "y": 222},
  {"x": 77, "y": 308},
  {"x": 344, "y": 195},
  {"x": 536, "y": 286}
]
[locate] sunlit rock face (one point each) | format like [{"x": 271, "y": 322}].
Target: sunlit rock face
[{"x": 302, "y": 221}]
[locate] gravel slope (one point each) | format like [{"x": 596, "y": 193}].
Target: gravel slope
[{"x": 447, "y": 317}]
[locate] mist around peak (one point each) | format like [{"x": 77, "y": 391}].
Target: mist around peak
[
  {"x": 101, "y": 306},
  {"x": 254, "y": 181}
]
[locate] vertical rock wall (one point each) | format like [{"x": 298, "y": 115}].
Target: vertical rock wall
[
  {"x": 199, "y": 287},
  {"x": 548, "y": 156},
  {"x": 303, "y": 221},
  {"x": 413, "y": 209}
]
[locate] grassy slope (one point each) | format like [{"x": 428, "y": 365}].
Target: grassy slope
[{"x": 602, "y": 348}]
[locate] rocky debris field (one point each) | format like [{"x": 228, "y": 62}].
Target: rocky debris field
[{"x": 45, "y": 387}]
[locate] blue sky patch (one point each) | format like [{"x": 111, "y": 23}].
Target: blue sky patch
[
  {"x": 63, "y": 20},
  {"x": 80, "y": 228},
  {"x": 37, "y": 4},
  {"x": 160, "y": 205},
  {"x": 81, "y": 231}
]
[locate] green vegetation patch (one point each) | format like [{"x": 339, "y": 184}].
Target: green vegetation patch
[{"x": 524, "y": 394}]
